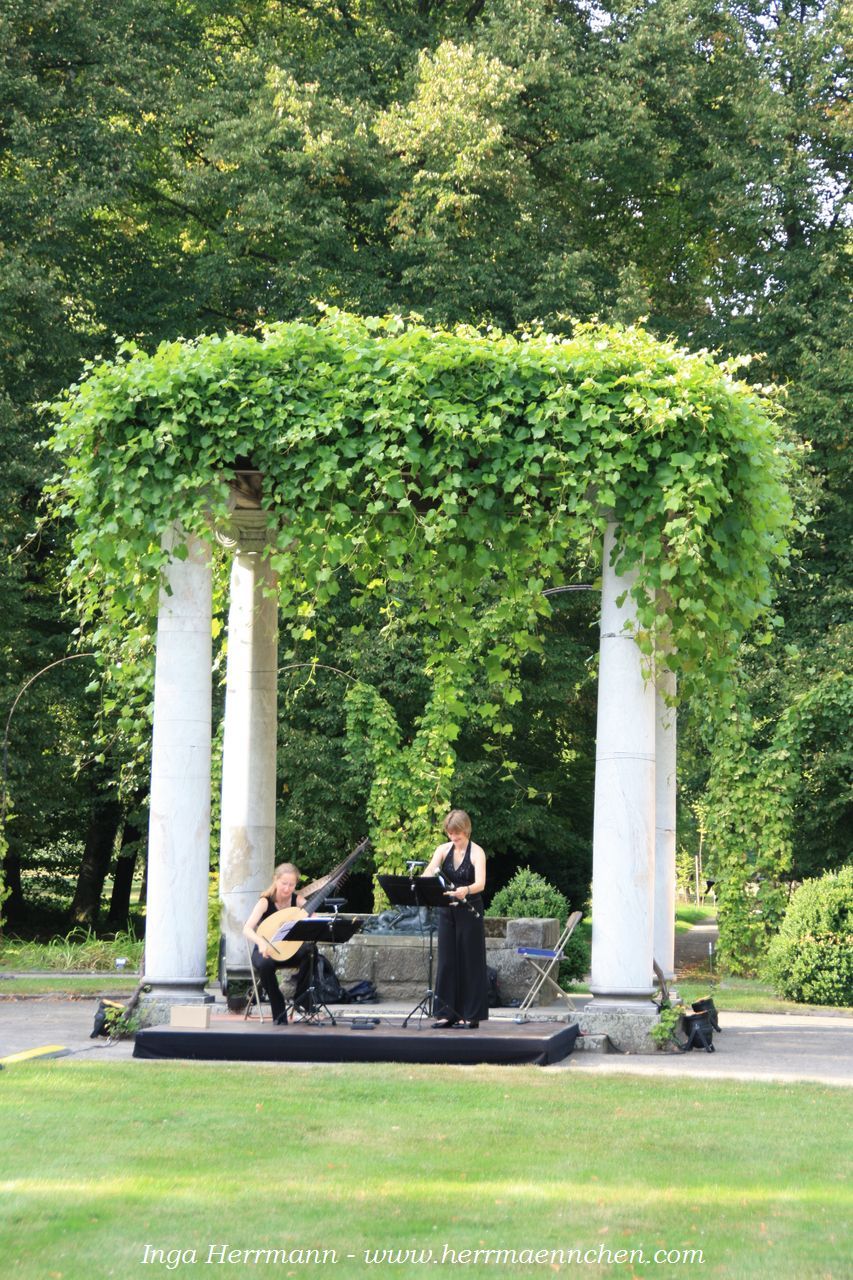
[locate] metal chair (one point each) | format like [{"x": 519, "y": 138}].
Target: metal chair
[
  {"x": 254, "y": 998},
  {"x": 546, "y": 960}
]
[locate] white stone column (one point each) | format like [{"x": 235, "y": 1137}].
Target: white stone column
[
  {"x": 179, "y": 824},
  {"x": 665, "y": 796},
  {"x": 247, "y": 848},
  {"x": 623, "y": 829}
]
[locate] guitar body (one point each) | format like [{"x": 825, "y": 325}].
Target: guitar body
[{"x": 268, "y": 928}]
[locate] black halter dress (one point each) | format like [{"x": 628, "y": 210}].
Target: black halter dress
[{"x": 461, "y": 982}]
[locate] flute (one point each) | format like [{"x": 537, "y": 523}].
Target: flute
[{"x": 449, "y": 889}]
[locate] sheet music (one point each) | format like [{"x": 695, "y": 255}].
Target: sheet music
[{"x": 282, "y": 932}]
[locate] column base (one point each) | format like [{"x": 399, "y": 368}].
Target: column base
[
  {"x": 156, "y": 1004},
  {"x": 627, "y": 1021}
]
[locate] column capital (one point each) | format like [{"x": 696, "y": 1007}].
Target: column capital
[{"x": 247, "y": 532}]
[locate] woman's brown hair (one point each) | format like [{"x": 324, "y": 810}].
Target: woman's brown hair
[{"x": 457, "y": 820}]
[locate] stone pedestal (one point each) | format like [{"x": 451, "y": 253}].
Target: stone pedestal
[
  {"x": 179, "y": 824},
  {"x": 398, "y": 965},
  {"x": 623, "y": 830},
  {"x": 247, "y": 849},
  {"x": 627, "y": 1025}
]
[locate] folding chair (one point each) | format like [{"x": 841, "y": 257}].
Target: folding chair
[
  {"x": 545, "y": 961},
  {"x": 255, "y": 996}
]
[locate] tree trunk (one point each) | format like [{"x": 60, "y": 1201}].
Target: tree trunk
[
  {"x": 100, "y": 841},
  {"x": 119, "y": 912},
  {"x": 14, "y": 909}
]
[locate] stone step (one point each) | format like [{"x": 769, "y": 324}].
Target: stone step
[{"x": 594, "y": 1044}]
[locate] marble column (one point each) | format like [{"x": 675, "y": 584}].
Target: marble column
[
  {"x": 179, "y": 824},
  {"x": 623, "y": 827},
  {"x": 665, "y": 761},
  {"x": 247, "y": 850}
]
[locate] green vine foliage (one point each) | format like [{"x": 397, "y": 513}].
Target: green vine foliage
[
  {"x": 451, "y": 472},
  {"x": 750, "y": 811},
  {"x": 410, "y": 783}
]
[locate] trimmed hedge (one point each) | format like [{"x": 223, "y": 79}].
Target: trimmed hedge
[
  {"x": 811, "y": 957},
  {"x": 529, "y": 895}
]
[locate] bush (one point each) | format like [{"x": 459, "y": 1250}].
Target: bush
[
  {"x": 811, "y": 957},
  {"x": 529, "y": 895}
]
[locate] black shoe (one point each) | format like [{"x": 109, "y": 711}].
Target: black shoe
[
  {"x": 281, "y": 1020},
  {"x": 444, "y": 1023},
  {"x": 469, "y": 1026}
]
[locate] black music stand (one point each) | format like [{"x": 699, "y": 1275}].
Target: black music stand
[
  {"x": 314, "y": 929},
  {"x": 417, "y": 891}
]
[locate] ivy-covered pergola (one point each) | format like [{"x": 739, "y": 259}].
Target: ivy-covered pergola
[{"x": 453, "y": 473}]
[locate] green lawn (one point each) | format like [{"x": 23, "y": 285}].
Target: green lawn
[
  {"x": 686, "y": 915},
  {"x": 746, "y": 995},
  {"x": 101, "y": 1161},
  {"x": 116, "y": 986}
]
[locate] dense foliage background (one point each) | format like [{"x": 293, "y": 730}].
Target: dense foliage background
[{"x": 177, "y": 169}]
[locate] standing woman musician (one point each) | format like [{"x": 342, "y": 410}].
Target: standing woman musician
[
  {"x": 461, "y": 983},
  {"x": 281, "y": 894}
]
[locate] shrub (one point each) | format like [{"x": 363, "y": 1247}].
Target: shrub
[
  {"x": 530, "y": 895},
  {"x": 811, "y": 957}
]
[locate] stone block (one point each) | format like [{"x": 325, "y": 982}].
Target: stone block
[
  {"x": 352, "y": 962},
  {"x": 594, "y": 1044},
  {"x": 514, "y": 975},
  {"x": 628, "y": 1026},
  {"x": 402, "y": 964},
  {"x": 532, "y": 933}
]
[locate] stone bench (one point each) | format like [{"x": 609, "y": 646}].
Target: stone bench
[{"x": 398, "y": 964}]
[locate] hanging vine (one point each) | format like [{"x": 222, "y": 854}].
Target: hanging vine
[
  {"x": 436, "y": 467},
  {"x": 452, "y": 475}
]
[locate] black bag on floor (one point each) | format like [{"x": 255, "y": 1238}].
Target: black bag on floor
[
  {"x": 494, "y": 990},
  {"x": 326, "y": 985},
  {"x": 363, "y": 992}
]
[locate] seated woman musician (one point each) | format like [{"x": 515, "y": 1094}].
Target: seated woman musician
[
  {"x": 461, "y": 983},
  {"x": 281, "y": 894}
]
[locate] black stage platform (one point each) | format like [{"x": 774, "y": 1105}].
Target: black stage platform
[{"x": 229, "y": 1038}]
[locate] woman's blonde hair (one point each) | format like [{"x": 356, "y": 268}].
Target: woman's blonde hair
[
  {"x": 457, "y": 820},
  {"x": 283, "y": 869}
]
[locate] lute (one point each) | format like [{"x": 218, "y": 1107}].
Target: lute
[{"x": 273, "y": 930}]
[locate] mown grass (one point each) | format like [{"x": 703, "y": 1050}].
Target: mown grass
[
  {"x": 687, "y": 914},
  {"x": 100, "y": 1161},
  {"x": 63, "y": 985},
  {"x": 746, "y": 995}
]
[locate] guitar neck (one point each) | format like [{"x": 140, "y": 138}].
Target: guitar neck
[{"x": 317, "y": 899}]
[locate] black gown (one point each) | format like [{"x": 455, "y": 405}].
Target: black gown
[{"x": 461, "y": 982}]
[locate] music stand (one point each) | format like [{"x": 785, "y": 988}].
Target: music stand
[
  {"x": 314, "y": 929},
  {"x": 417, "y": 891}
]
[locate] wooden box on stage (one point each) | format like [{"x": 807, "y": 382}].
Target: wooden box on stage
[{"x": 190, "y": 1015}]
